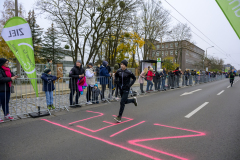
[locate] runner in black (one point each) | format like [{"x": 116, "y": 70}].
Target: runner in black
[
  {"x": 124, "y": 82},
  {"x": 231, "y": 77}
]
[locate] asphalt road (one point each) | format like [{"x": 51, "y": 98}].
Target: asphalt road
[{"x": 192, "y": 123}]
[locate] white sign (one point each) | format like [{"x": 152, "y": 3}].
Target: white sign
[{"x": 159, "y": 64}]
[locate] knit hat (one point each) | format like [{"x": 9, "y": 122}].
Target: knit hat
[
  {"x": 116, "y": 67},
  {"x": 2, "y": 61},
  {"x": 79, "y": 61},
  {"x": 90, "y": 64},
  {"x": 46, "y": 70},
  {"x": 104, "y": 63},
  {"x": 96, "y": 85},
  {"x": 125, "y": 62}
]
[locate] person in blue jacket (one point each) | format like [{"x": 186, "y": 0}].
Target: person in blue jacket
[
  {"x": 104, "y": 74},
  {"x": 48, "y": 87}
]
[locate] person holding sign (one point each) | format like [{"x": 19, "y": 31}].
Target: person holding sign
[{"x": 6, "y": 78}]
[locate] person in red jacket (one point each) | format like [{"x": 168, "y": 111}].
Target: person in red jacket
[{"x": 149, "y": 79}]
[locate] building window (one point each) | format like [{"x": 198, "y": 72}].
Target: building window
[
  {"x": 176, "y": 44},
  {"x": 171, "y": 61},
  {"x": 162, "y": 53},
  {"x": 157, "y": 54},
  {"x": 166, "y": 53},
  {"x": 171, "y": 45},
  {"x": 153, "y": 54},
  {"x": 166, "y": 45},
  {"x": 175, "y": 61},
  {"x": 175, "y": 52},
  {"x": 162, "y": 45},
  {"x": 158, "y": 46},
  {"x": 171, "y": 53}
]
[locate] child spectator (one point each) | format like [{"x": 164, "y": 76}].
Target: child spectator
[
  {"x": 95, "y": 94},
  {"x": 48, "y": 87}
]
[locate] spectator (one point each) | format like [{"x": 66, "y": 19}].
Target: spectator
[
  {"x": 48, "y": 87},
  {"x": 6, "y": 78},
  {"x": 149, "y": 79},
  {"x": 163, "y": 75},
  {"x": 76, "y": 72},
  {"x": 186, "y": 74},
  {"x": 90, "y": 79},
  {"x": 116, "y": 87},
  {"x": 104, "y": 77},
  {"x": 171, "y": 78},
  {"x": 141, "y": 79},
  {"x": 49, "y": 65},
  {"x": 177, "y": 73},
  {"x": 95, "y": 93},
  {"x": 98, "y": 70},
  {"x": 156, "y": 80}
]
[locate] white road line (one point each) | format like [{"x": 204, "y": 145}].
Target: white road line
[
  {"x": 187, "y": 93},
  {"x": 220, "y": 93},
  {"x": 196, "y": 110},
  {"x": 228, "y": 86}
]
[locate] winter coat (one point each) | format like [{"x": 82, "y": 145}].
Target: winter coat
[
  {"x": 124, "y": 77},
  {"x": 177, "y": 72},
  {"x": 48, "y": 84},
  {"x": 4, "y": 87},
  {"x": 186, "y": 74},
  {"x": 97, "y": 71},
  {"x": 103, "y": 75},
  {"x": 90, "y": 78},
  {"x": 150, "y": 75},
  {"x": 141, "y": 77},
  {"x": 109, "y": 69},
  {"x": 156, "y": 77},
  {"x": 74, "y": 74},
  {"x": 95, "y": 92}
]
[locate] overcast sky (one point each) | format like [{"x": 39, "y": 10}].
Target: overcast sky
[{"x": 204, "y": 14}]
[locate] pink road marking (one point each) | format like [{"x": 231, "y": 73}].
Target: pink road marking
[
  {"x": 112, "y": 124},
  {"x": 100, "y": 114},
  {"x": 103, "y": 140},
  {"x": 135, "y": 142},
  {"x": 126, "y": 129}
]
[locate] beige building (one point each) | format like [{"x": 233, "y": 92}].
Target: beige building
[{"x": 188, "y": 55}]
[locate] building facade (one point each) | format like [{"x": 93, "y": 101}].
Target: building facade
[{"x": 184, "y": 53}]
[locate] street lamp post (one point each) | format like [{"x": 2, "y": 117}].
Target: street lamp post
[{"x": 206, "y": 55}]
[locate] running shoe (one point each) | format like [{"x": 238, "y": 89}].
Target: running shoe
[
  {"x": 118, "y": 119},
  {"x": 135, "y": 101},
  {"x": 9, "y": 117}
]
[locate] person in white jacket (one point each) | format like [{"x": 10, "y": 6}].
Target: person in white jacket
[{"x": 90, "y": 79}]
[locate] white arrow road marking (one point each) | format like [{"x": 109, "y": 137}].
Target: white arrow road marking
[
  {"x": 196, "y": 110},
  {"x": 228, "y": 86},
  {"x": 187, "y": 93},
  {"x": 220, "y": 93}
]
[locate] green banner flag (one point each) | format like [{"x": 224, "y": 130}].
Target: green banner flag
[
  {"x": 231, "y": 9},
  {"x": 18, "y": 36}
]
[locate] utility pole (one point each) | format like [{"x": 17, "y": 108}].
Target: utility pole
[{"x": 17, "y": 63}]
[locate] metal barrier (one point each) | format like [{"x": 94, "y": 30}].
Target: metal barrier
[
  {"x": 172, "y": 81},
  {"x": 24, "y": 101}
]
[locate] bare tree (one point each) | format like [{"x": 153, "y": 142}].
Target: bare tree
[
  {"x": 155, "y": 24},
  {"x": 181, "y": 36}
]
